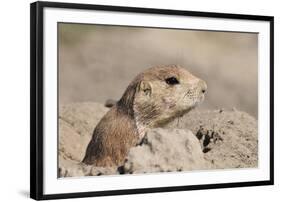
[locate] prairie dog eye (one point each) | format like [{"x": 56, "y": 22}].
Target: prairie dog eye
[{"x": 172, "y": 81}]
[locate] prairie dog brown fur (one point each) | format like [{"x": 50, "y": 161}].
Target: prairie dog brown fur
[{"x": 155, "y": 97}]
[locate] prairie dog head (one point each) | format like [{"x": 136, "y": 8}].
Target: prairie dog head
[{"x": 164, "y": 93}]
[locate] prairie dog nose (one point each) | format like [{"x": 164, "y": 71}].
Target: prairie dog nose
[{"x": 203, "y": 86}]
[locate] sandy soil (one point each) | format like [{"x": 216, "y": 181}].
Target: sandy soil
[{"x": 217, "y": 139}]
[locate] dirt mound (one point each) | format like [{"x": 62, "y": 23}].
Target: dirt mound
[
  {"x": 229, "y": 139},
  {"x": 217, "y": 139},
  {"x": 166, "y": 150}
]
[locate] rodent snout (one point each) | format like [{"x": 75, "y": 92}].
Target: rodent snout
[{"x": 203, "y": 86}]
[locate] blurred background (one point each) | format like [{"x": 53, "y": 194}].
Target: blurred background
[{"x": 98, "y": 62}]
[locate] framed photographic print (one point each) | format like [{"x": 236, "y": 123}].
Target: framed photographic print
[{"x": 131, "y": 100}]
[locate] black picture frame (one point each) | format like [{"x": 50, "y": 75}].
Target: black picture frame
[{"x": 37, "y": 102}]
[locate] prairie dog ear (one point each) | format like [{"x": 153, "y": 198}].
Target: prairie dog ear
[{"x": 145, "y": 88}]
